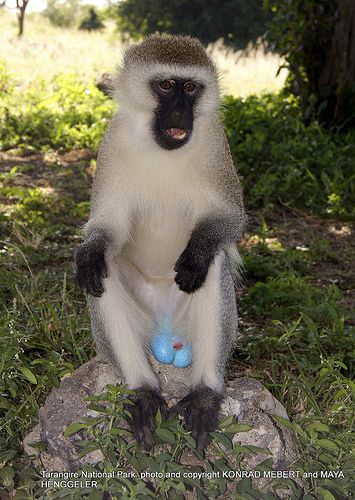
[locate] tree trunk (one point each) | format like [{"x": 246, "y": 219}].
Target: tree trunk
[
  {"x": 21, "y": 19},
  {"x": 336, "y": 82},
  {"x": 21, "y": 10}
]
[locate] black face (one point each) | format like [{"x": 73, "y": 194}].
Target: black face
[{"x": 173, "y": 122}]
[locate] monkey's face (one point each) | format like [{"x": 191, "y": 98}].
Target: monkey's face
[{"x": 174, "y": 114}]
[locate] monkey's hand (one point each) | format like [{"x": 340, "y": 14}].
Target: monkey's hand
[
  {"x": 91, "y": 267},
  {"x": 200, "y": 410},
  {"x": 192, "y": 265},
  {"x": 146, "y": 404}
]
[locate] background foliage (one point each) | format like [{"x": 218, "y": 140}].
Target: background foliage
[{"x": 239, "y": 22}]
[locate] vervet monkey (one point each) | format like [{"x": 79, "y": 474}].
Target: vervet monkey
[{"x": 166, "y": 211}]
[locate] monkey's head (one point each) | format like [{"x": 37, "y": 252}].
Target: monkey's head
[{"x": 167, "y": 85}]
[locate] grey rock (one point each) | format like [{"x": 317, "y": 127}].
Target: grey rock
[{"x": 245, "y": 398}]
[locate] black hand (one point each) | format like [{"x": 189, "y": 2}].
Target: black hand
[
  {"x": 200, "y": 410},
  {"x": 192, "y": 265},
  {"x": 146, "y": 404},
  {"x": 91, "y": 267}
]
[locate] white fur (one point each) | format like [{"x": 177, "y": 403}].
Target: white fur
[{"x": 126, "y": 324}]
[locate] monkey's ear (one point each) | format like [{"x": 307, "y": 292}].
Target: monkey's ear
[{"x": 106, "y": 83}]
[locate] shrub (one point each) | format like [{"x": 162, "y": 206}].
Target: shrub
[
  {"x": 283, "y": 161},
  {"x": 62, "y": 14},
  {"x": 237, "y": 21},
  {"x": 64, "y": 115},
  {"x": 91, "y": 21}
]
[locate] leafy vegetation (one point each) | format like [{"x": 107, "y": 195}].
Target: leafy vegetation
[
  {"x": 62, "y": 14},
  {"x": 239, "y": 22},
  {"x": 68, "y": 115},
  {"x": 91, "y": 20},
  {"x": 283, "y": 161},
  {"x": 295, "y": 322}
]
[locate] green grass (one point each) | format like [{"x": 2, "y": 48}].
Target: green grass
[{"x": 295, "y": 320}]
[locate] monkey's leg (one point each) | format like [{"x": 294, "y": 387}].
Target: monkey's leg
[
  {"x": 212, "y": 321},
  {"x": 120, "y": 328}
]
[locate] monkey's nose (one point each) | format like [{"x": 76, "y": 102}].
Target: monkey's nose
[{"x": 176, "y": 114}]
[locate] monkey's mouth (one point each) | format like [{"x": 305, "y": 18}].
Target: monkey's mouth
[{"x": 178, "y": 134}]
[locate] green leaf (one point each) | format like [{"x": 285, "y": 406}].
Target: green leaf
[
  {"x": 328, "y": 444},
  {"x": 234, "y": 428},
  {"x": 158, "y": 418},
  {"x": 319, "y": 427},
  {"x": 166, "y": 435},
  {"x": 221, "y": 438},
  {"x": 283, "y": 421},
  {"x": 180, "y": 486},
  {"x": 92, "y": 446},
  {"x": 257, "y": 449},
  {"x": 326, "y": 494},
  {"x": 7, "y": 473},
  {"x": 190, "y": 441},
  {"x": 74, "y": 428},
  {"x": 119, "y": 432},
  {"x": 31, "y": 377},
  {"x": 226, "y": 422}
]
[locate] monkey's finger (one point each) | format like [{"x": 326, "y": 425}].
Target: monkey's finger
[
  {"x": 93, "y": 285},
  {"x": 97, "y": 284}
]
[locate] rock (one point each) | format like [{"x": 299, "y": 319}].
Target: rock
[
  {"x": 252, "y": 404},
  {"x": 245, "y": 398}
]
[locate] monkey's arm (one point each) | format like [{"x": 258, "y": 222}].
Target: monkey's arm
[{"x": 210, "y": 235}]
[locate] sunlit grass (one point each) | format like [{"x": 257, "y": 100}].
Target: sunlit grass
[
  {"x": 45, "y": 51},
  {"x": 243, "y": 73}
]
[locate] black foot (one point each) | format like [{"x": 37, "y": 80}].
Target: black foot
[
  {"x": 146, "y": 404},
  {"x": 200, "y": 409},
  {"x": 91, "y": 267}
]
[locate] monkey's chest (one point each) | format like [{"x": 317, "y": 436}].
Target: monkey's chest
[{"x": 156, "y": 242}]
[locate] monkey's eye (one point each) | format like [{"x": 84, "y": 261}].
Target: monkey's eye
[
  {"x": 167, "y": 85},
  {"x": 189, "y": 87}
]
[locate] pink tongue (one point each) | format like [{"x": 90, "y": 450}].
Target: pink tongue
[{"x": 175, "y": 132}]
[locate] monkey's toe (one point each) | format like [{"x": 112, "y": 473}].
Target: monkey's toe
[
  {"x": 146, "y": 404},
  {"x": 200, "y": 410}
]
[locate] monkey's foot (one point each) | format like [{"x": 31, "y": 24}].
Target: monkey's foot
[
  {"x": 200, "y": 409},
  {"x": 146, "y": 404}
]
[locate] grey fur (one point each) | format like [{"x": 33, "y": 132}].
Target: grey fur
[
  {"x": 168, "y": 49},
  {"x": 103, "y": 345},
  {"x": 228, "y": 314}
]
